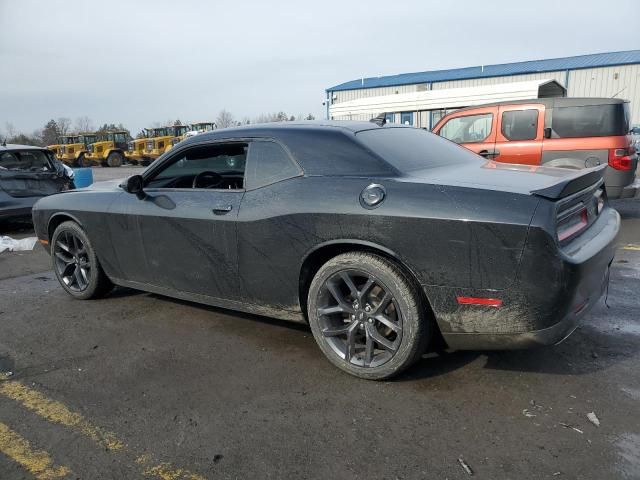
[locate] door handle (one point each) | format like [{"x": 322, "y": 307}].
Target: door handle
[
  {"x": 222, "y": 209},
  {"x": 489, "y": 153}
]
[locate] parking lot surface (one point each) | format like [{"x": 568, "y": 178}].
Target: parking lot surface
[{"x": 142, "y": 386}]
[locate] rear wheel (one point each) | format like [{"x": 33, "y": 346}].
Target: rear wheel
[
  {"x": 114, "y": 159},
  {"x": 83, "y": 161},
  {"x": 367, "y": 316},
  {"x": 75, "y": 263}
]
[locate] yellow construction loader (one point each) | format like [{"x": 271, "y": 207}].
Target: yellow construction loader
[
  {"x": 135, "y": 149},
  {"x": 109, "y": 150},
  {"x": 74, "y": 149},
  {"x": 161, "y": 140}
]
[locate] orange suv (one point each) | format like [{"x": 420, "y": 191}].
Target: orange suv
[{"x": 556, "y": 132}]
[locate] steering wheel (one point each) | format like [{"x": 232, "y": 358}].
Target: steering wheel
[{"x": 207, "y": 179}]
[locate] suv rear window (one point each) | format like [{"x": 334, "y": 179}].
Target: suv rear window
[
  {"x": 591, "y": 121},
  {"x": 410, "y": 149}
]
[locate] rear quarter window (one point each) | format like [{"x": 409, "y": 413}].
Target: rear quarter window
[
  {"x": 333, "y": 152},
  {"x": 412, "y": 149},
  {"x": 591, "y": 121}
]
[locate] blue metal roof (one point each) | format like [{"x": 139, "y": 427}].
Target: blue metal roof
[{"x": 517, "y": 68}]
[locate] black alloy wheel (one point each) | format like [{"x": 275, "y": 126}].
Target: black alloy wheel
[
  {"x": 368, "y": 315},
  {"x": 359, "y": 318},
  {"x": 72, "y": 261}
]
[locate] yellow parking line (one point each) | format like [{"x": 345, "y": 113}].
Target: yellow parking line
[
  {"x": 166, "y": 471},
  {"x": 57, "y": 412},
  {"x": 631, "y": 247},
  {"x": 37, "y": 462}
]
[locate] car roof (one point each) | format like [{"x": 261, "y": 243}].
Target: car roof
[
  {"x": 551, "y": 102},
  {"x": 14, "y": 146},
  {"x": 308, "y": 126}
]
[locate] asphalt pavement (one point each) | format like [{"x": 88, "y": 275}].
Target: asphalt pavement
[{"x": 142, "y": 386}]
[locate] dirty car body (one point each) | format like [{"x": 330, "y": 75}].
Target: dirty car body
[
  {"x": 501, "y": 256},
  {"x": 27, "y": 174}
]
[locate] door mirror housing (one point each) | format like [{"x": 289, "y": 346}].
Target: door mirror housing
[
  {"x": 133, "y": 184},
  {"x": 547, "y": 132}
]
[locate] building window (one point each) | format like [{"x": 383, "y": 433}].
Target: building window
[
  {"x": 406, "y": 118},
  {"x": 389, "y": 117}
]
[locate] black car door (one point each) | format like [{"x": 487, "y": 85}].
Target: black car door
[
  {"x": 183, "y": 227},
  {"x": 271, "y": 242}
]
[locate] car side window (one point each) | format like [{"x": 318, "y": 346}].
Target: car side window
[
  {"x": 213, "y": 166},
  {"x": 520, "y": 124},
  {"x": 468, "y": 128},
  {"x": 269, "y": 163}
]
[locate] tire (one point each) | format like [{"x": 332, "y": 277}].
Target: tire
[
  {"x": 114, "y": 159},
  {"x": 70, "y": 250},
  {"x": 83, "y": 162},
  {"x": 334, "y": 322}
]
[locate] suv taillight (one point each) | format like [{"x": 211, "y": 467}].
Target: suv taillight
[
  {"x": 620, "y": 158},
  {"x": 572, "y": 222}
]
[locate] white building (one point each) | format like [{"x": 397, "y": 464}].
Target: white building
[{"x": 418, "y": 99}]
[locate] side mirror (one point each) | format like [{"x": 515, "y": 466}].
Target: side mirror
[
  {"x": 547, "y": 132},
  {"x": 133, "y": 184}
]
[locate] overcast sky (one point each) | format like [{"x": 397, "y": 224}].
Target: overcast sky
[{"x": 139, "y": 62}]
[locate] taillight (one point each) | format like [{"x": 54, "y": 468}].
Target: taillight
[
  {"x": 572, "y": 222},
  {"x": 620, "y": 158}
]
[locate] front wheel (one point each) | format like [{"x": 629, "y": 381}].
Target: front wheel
[
  {"x": 114, "y": 159},
  {"x": 83, "y": 161},
  {"x": 367, "y": 316},
  {"x": 75, "y": 263}
]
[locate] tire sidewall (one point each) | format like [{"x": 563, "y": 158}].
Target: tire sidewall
[
  {"x": 114, "y": 155},
  {"x": 413, "y": 323},
  {"x": 74, "y": 228}
]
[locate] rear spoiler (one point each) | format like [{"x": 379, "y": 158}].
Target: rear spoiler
[{"x": 572, "y": 183}]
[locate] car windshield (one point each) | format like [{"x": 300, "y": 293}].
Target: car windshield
[
  {"x": 30, "y": 160},
  {"x": 87, "y": 139},
  {"x": 411, "y": 149},
  {"x": 69, "y": 140},
  {"x": 120, "y": 137}
]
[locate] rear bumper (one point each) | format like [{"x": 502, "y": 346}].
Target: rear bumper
[
  {"x": 536, "y": 338},
  {"x": 554, "y": 291},
  {"x": 630, "y": 191}
]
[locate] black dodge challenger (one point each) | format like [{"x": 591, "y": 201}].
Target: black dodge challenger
[{"x": 382, "y": 238}]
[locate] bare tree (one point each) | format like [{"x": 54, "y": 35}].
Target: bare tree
[
  {"x": 225, "y": 119},
  {"x": 84, "y": 124},
  {"x": 10, "y": 129},
  {"x": 64, "y": 125}
]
